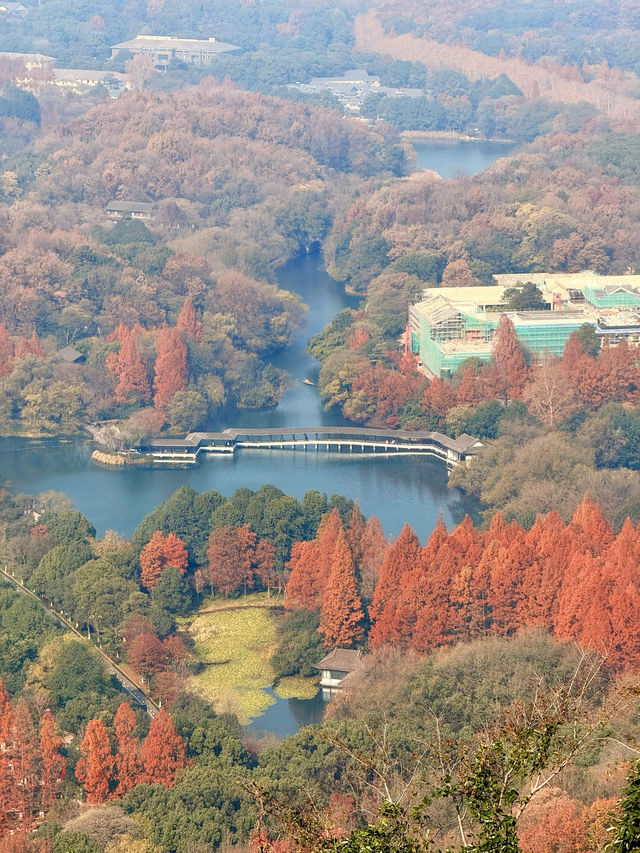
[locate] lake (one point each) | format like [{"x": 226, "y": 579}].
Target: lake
[{"x": 452, "y": 157}]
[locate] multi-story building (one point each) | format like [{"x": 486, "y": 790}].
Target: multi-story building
[
  {"x": 164, "y": 49},
  {"x": 452, "y": 324}
]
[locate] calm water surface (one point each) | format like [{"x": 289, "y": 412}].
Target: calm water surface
[
  {"x": 450, "y": 158},
  {"x": 395, "y": 488}
]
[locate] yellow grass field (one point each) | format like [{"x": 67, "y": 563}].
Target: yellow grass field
[{"x": 235, "y": 641}]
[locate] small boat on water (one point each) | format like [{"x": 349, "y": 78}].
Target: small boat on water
[{"x": 308, "y": 382}]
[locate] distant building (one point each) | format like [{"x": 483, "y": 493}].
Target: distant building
[
  {"x": 452, "y": 324},
  {"x": 12, "y": 10},
  {"x": 30, "y": 61},
  {"x": 164, "y": 49},
  {"x": 85, "y": 80},
  {"x": 352, "y": 87},
  {"x": 68, "y": 354},
  {"x": 336, "y": 668},
  {"x": 144, "y": 210}
]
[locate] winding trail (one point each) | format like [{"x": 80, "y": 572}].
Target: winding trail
[{"x": 127, "y": 684}]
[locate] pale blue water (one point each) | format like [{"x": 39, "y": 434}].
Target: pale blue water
[{"x": 450, "y": 158}]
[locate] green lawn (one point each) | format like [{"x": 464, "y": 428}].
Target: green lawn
[{"x": 236, "y": 645}]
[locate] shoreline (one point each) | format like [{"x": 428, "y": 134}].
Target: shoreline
[{"x": 451, "y": 136}]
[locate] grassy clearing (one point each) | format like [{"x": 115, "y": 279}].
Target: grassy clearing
[
  {"x": 235, "y": 646},
  {"x": 297, "y": 687}
]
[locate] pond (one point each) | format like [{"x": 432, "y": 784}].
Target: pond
[{"x": 451, "y": 157}]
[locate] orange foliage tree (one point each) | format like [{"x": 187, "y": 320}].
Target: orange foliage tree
[
  {"x": 127, "y": 759},
  {"x": 171, "y": 371},
  {"x": 510, "y": 364},
  {"x": 159, "y": 552},
  {"x": 128, "y": 369},
  {"x": 341, "y": 616},
  {"x": 6, "y": 352},
  {"x": 94, "y": 769},
  {"x": 53, "y": 763},
  {"x": 163, "y": 752}
]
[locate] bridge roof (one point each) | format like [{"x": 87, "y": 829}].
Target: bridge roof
[{"x": 463, "y": 444}]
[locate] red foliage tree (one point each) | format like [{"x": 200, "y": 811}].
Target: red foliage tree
[
  {"x": 401, "y": 559},
  {"x": 128, "y": 753},
  {"x": 341, "y": 616},
  {"x": 147, "y": 655},
  {"x": 187, "y": 320},
  {"x": 24, "y": 752},
  {"x": 6, "y": 352},
  {"x": 163, "y": 752},
  {"x": 355, "y": 532},
  {"x": 53, "y": 763},
  {"x": 553, "y": 822},
  {"x": 171, "y": 372},
  {"x": 29, "y": 346},
  {"x": 439, "y": 398},
  {"x": 302, "y": 591},
  {"x": 265, "y": 565},
  {"x": 159, "y": 552},
  {"x": 310, "y": 565},
  {"x": 373, "y": 549},
  {"x": 129, "y": 370},
  {"x": 467, "y": 391},
  {"x": 137, "y": 624},
  {"x": 230, "y": 554},
  {"x": 509, "y": 361},
  {"x": 94, "y": 769},
  {"x": 589, "y": 528}
]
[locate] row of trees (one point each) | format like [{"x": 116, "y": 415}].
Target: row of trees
[
  {"x": 31, "y": 764},
  {"x": 577, "y": 580},
  {"x": 156, "y": 760}
]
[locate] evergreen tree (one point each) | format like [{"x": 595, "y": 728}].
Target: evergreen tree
[
  {"x": 163, "y": 752},
  {"x": 171, "y": 372},
  {"x": 94, "y": 769},
  {"x": 341, "y": 616}
]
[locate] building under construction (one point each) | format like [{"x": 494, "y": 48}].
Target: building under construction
[{"x": 452, "y": 324}]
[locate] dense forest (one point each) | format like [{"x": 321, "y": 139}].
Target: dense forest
[
  {"x": 190, "y": 780},
  {"x": 241, "y": 184}
]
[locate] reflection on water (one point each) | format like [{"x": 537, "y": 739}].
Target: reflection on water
[
  {"x": 286, "y": 716},
  {"x": 450, "y": 158}
]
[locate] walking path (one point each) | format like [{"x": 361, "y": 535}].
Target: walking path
[{"x": 127, "y": 684}]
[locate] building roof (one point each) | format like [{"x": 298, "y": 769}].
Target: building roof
[
  {"x": 144, "y": 42},
  {"x": 25, "y": 57},
  {"x": 437, "y": 309},
  {"x": 131, "y": 206},
  {"x": 483, "y": 295},
  {"x": 82, "y": 75},
  {"x": 341, "y": 660},
  {"x": 69, "y": 354}
]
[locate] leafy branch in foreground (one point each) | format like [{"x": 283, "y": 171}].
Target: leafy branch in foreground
[{"x": 476, "y": 789}]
